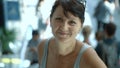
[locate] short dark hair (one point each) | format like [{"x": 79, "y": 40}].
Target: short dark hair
[
  {"x": 35, "y": 32},
  {"x": 99, "y": 35},
  {"x": 76, "y": 7},
  {"x": 110, "y": 28}
]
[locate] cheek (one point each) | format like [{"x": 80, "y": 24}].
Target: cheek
[
  {"x": 53, "y": 26},
  {"x": 78, "y": 28}
]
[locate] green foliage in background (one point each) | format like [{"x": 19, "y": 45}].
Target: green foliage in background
[{"x": 7, "y": 36}]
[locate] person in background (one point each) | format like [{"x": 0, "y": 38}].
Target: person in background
[
  {"x": 41, "y": 24},
  {"x": 63, "y": 50},
  {"x": 38, "y": 6},
  {"x": 31, "y": 53},
  {"x": 99, "y": 36},
  {"x": 104, "y": 13},
  {"x": 86, "y": 34},
  {"x": 108, "y": 49}
]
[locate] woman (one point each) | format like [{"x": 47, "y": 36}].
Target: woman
[{"x": 63, "y": 50}]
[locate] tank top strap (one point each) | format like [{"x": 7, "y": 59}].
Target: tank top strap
[
  {"x": 44, "y": 57},
  {"x": 82, "y": 50}
]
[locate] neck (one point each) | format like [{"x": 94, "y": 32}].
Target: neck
[{"x": 65, "y": 48}]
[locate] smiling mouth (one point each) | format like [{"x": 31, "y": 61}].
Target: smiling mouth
[{"x": 63, "y": 34}]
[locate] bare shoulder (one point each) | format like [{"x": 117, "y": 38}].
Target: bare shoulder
[
  {"x": 92, "y": 60},
  {"x": 40, "y": 49}
]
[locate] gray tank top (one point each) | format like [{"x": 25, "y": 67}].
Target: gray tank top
[{"x": 77, "y": 62}]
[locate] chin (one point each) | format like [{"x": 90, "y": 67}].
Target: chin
[{"x": 63, "y": 39}]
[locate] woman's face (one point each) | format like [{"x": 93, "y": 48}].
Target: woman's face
[{"x": 64, "y": 28}]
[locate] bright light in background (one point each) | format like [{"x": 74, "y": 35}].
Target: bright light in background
[
  {"x": 30, "y": 2},
  {"x": 46, "y": 8},
  {"x": 11, "y": 45},
  {"x": 14, "y": 47},
  {"x": 2, "y": 65}
]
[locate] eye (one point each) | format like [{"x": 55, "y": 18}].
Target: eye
[{"x": 72, "y": 23}]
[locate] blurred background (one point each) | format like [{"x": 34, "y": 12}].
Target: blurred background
[{"x": 19, "y": 17}]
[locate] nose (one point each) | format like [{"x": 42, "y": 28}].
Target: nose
[{"x": 64, "y": 26}]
